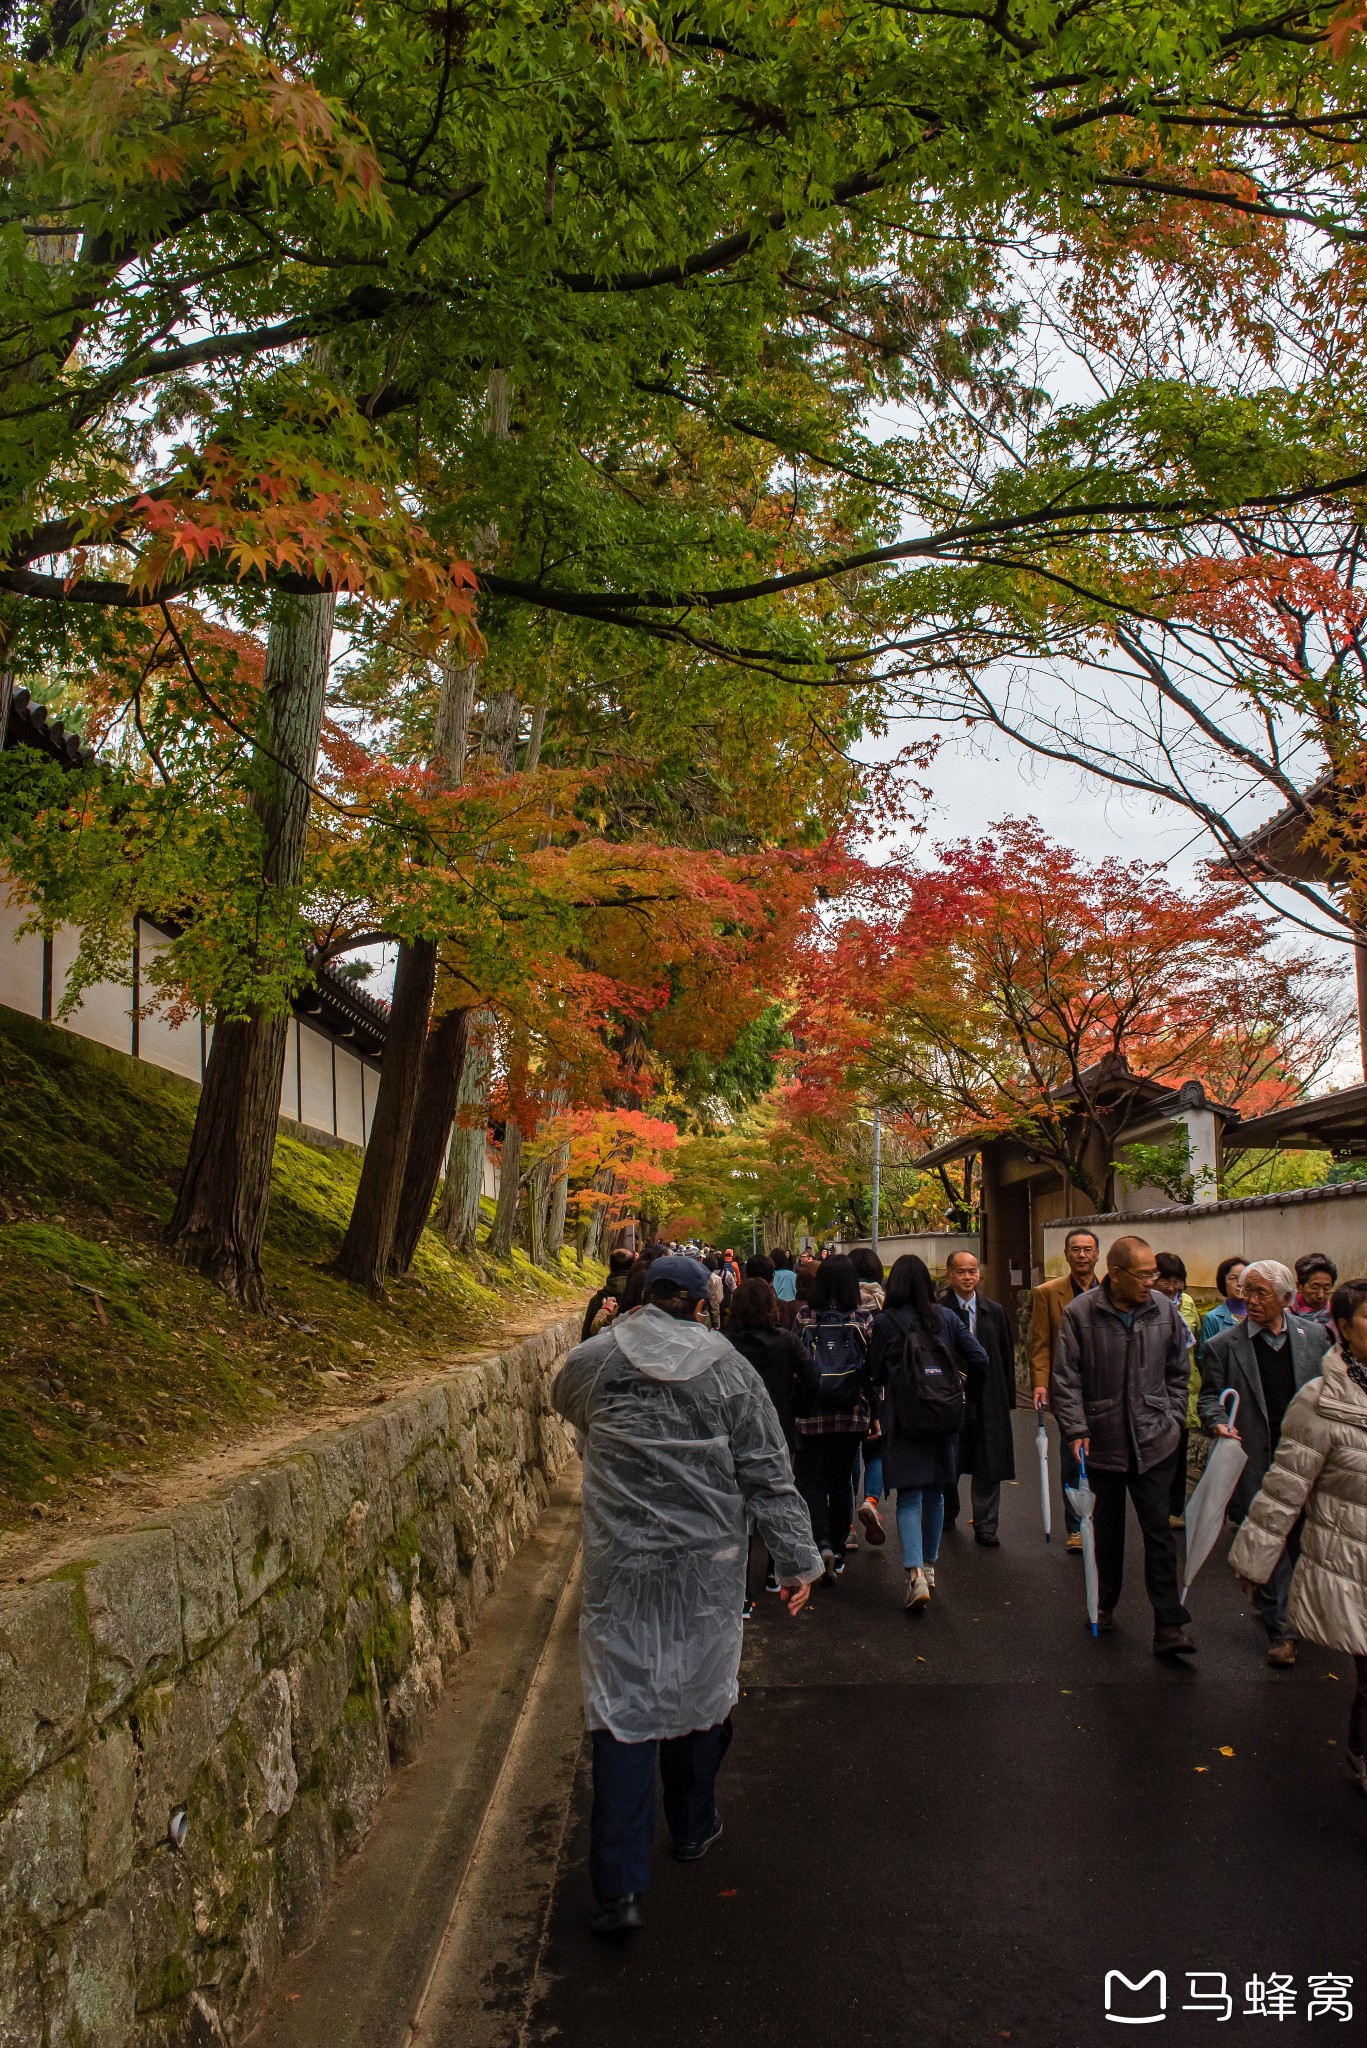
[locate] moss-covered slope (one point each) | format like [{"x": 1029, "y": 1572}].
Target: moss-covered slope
[{"x": 113, "y": 1356}]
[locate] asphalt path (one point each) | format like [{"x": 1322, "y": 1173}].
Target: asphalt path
[{"x": 950, "y": 1828}]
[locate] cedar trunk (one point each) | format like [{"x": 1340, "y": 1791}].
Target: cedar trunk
[
  {"x": 500, "y": 1243},
  {"x": 220, "y": 1214},
  {"x": 369, "y": 1242},
  {"x": 559, "y": 1203},
  {"x": 457, "y": 1216},
  {"x": 443, "y": 1065}
]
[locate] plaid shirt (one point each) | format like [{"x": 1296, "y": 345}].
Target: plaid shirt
[{"x": 855, "y": 1421}]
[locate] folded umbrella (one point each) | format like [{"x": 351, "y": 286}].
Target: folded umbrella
[
  {"x": 1042, "y": 1448},
  {"x": 1206, "y": 1508},
  {"x": 1082, "y": 1501}
]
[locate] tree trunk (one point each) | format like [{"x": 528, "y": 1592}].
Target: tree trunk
[
  {"x": 443, "y": 1068},
  {"x": 220, "y": 1214},
  {"x": 457, "y": 1216},
  {"x": 593, "y": 1241},
  {"x": 500, "y": 1244},
  {"x": 369, "y": 1241},
  {"x": 537, "y": 1191},
  {"x": 560, "y": 1192}
]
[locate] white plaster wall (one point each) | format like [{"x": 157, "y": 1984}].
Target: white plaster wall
[
  {"x": 1333, "y": 1222},
  {"x": 21, "y": 960},
  {"x": 934, "y": 1246},
  {"x": 315, "y": 1078},
  {"x": 370, "y": 1088},
  {"x": 105, "y": 1012},
  {"x": 350, "y": 1106},
  {"x": 289, "y": 1082},
  {"x": 177, "y": 1047}
]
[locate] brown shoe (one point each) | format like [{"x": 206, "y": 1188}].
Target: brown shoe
[
  {"x": 1105, "y": 1621},
  {"x": 1282, "y": 1654},
  {"x": 1074, "y": 1543},
  {"x": 1172, "y": 1642}
]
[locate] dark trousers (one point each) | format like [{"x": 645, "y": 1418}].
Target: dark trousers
[
  {"x": 622, "y": 1826},
  {"x": 1150, "y": 1492},
  {"x": 1270, "y": 1600},
  {"x": 986, "y": 1498},
  {"x": 1177, "y": 1499},
  {"x": 825, "y": 1479},
  {"x": 1357, "y": 1715}
]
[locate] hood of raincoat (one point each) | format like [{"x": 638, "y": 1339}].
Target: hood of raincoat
[{"x": 665, "y": 1348}]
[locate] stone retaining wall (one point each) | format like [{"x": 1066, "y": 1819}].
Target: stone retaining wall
[{"x": 199, "y": 1722}]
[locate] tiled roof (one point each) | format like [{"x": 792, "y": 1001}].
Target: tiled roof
[{"x": 30, "y": 725}]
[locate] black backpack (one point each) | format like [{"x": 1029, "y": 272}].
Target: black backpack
[
  {"x": 838, "y": 1360},
  {"x": 927, "y": 1387}
]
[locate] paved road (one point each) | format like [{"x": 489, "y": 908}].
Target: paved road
[{"x": 945, "y": 1829}]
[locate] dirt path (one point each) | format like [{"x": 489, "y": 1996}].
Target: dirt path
[{"x": 104, "y": 1507}]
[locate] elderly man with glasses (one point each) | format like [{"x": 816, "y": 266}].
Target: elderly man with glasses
[
  {"x": 1267, "y": 1358},
  {"x": 1119, "y": 1390}
]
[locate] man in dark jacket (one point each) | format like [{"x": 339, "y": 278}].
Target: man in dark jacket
[
  {"x": 1267, "y": 1358},
  {"x": 620, "y": 1264},
  {"x": 986, "y": 1450},
  {"x": 1119, "y": 1390}
]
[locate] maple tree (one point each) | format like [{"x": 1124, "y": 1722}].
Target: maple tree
[
  {"x": 264, "y": 267},
  {"x": 1022, "y": 989}
]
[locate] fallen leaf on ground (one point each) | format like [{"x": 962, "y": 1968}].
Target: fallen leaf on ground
[
  {"x": 1225, "y": 1749},
  {"x": 1200, "y": 1767},
  {"x": 729, "y": 1895}
]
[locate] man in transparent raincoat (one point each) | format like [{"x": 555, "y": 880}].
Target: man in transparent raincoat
[{"x": 681, "y": 1443}]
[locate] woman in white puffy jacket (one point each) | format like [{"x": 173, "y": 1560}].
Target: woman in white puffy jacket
[{"x": 1320, "y": 1471}]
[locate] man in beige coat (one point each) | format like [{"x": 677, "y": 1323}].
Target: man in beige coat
[
  {"x": 1320, "y": 1472},
  {"x": 1050, "y": 1299}
]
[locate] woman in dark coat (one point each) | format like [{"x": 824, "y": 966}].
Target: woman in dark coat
[
  {"x": 918, "y": 1468},
  {"x": 752, "y": 1327},
  {"x": 751, "y": 1324}
]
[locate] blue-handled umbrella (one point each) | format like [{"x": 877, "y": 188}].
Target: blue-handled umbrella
[{"x": 1083, "y": 1503}]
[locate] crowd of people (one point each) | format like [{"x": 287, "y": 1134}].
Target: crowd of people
[{"x": 749, "y": 1423}]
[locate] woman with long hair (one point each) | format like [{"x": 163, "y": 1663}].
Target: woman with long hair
[
  {"x": 833, "y": 1330},
  {"x": 919, "y": 1353},
  {"x": 754, "y": 1329}
]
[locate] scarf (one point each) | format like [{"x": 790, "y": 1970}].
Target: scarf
[{"x": 1357, "y": 1373}]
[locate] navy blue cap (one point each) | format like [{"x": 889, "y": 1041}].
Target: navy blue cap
[{"x": 690, "y": 1276}]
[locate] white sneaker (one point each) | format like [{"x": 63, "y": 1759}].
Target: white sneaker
[
  {"x": 918, "y": 1592},
  {"x": 929, "y": 1571}
]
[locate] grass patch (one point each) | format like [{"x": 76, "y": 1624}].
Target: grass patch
[{"x": 113, "y": 1357}]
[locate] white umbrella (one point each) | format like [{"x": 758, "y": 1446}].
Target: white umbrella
[
  {"x": 1042, "y": 1447},
  {"x": 1083, "y": 1503},
  {"x": 1206, "y": 1508}
]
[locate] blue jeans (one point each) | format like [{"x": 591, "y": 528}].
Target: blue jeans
[
  {"x": 920, "y": 1524},
  {"x": 622, "y": 1825},
  {"x": 873, "y": 1477}
]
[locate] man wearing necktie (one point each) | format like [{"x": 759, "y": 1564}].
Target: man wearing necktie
[{"x": 986, "y": 1449}]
